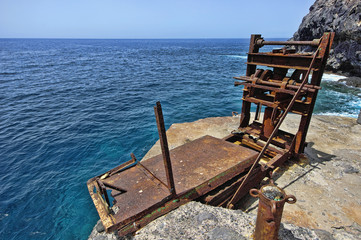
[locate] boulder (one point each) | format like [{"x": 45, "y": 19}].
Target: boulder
[
  {"x": 352, "y": 81},
  {"x": 344, "y": 18}
]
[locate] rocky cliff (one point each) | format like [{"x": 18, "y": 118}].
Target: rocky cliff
[{"x": 344, "y": 18}]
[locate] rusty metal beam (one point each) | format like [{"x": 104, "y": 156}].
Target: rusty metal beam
[
  {"x": 294, "y": 61},
  {"x": 154, "y": 176},
  {"x": 261, "y": 42},
  {"x": 268, "y": 88},
  {"x": 307, "y": 87},
  {"x": 164, "y": 145}
]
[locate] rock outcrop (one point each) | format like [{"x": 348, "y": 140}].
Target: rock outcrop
[
  {"x": 198, "y": 221},
  {"x": 326, "y": 183},
  {"x": 352, "y": 81},
  {"x": 344, "y": 18}
]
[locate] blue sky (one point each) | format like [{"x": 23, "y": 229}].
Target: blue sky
[{"x": 150, "y": 19}]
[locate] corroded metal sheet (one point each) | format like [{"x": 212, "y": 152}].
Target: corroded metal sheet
[
  {"x": 198, "y": 167},
  {"x": 198, "y": 161}
]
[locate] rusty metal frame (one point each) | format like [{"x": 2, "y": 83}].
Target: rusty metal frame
[
  {"x": 290, "y": 100},
  {"x": 274, "y": 132},
  {"x": 253, "y": 142}
]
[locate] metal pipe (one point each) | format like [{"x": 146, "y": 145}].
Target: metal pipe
[
  {"x": 276, "y": 84},
  {"x": 270, "y": 208},
  {"x": 261, "y": 42},
  {"x": 164, "y": 145}
]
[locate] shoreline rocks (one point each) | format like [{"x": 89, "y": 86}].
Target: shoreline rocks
[
  {"x": 351, "y": 81},
  {"x": 343, "y": 18},
  {"x": 198, "y": 221}
]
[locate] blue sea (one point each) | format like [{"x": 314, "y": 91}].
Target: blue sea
[{"x": 73, "y": 109}]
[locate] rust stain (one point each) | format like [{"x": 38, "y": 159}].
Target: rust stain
[
  {"x": 332, "y": 218},
  {"x": 353, "y": 211},
  {"x": 299, "y": 218}
]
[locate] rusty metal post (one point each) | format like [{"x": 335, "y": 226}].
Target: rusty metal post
[
  {"x": 164, "y": 145},
  {"x": 246, "y": 106},
  {"x": 270, "y": 208}
]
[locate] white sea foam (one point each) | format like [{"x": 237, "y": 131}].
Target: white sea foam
[
  {"x": 343, "y": 114},
  {"x": 343, "y": 103},
  {"x": 332, "y": 77},
  {"x": 2, "y": 216},
  {"x": 237, "y": 56}
]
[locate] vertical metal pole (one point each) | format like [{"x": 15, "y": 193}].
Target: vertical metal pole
[
  {"x": 164, "y": 145},
  {"x": 324, "y": 47},
  {"x": 258, "y": 110},
  {"x": 246, "y": 106}
]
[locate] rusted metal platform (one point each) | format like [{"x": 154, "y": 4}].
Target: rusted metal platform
[
  {"x": 215, "y": 171},
  {"x": 198, "y": 167}
]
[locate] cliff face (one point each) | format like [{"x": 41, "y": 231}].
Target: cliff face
[{"x": 344, "y": 18}]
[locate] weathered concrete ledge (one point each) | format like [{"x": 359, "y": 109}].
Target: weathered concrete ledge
[{"x": 326, "y": 183}]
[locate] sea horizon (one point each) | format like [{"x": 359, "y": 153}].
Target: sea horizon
[{"x": 180, "y": 38}]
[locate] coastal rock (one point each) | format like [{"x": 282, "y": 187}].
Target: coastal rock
[
  {"x": 224, "y": 224},
  {"x": 344, "y": 18},
  {"x": 352, "y": 81},
  {"x": 230, "y": 224},
  {"x": 99, "y": 227},
  {"x": 326, "y": 183}
]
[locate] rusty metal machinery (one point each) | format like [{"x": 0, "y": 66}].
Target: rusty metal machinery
[
  {"x": 220, "y": 172},
  {"x": 283, "y": 85},
  {"x": 273, "y": 89}
]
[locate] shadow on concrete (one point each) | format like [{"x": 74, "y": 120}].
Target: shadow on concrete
[{"x": 311, "y": 157}]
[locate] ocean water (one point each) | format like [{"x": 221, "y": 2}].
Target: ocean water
[{"x": 72, "y": 109}]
